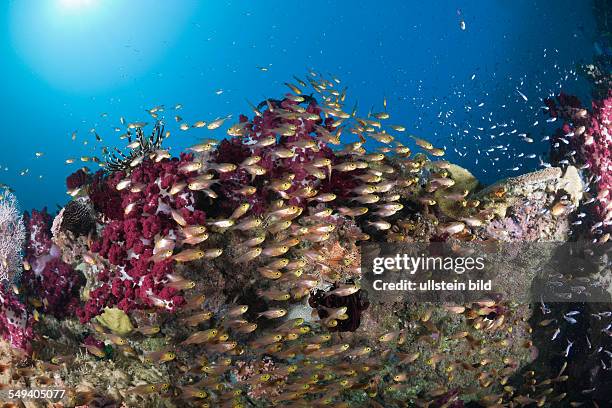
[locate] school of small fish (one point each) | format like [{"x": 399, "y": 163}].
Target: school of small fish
[{"x": 288, "y": 248}]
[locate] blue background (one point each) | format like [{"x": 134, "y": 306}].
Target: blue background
[{"x": 66, "y": 62}]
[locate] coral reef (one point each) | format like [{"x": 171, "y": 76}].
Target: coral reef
[
  {"x": 353, "y": 306},
  {"x": 77, "y": 216},
  {"x": 116, "y": 321},
  {"x": 585, "y": 139},
  {"x": 280, "y": 167},
  {"x": 532, "y": 207},
  {"x": 155, "y": 201},
  {"x": 48, "y": 280},
  {"x": 15, "y": 322},
  {"x": 57, "y": 286},
  {"x": 230, "y": 275},
  {"x": 78, "y": 179},
  {"x": 38, "y": 240},
  {"x": 578, "y": 339}
]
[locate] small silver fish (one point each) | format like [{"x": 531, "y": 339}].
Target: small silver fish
[{"x": 571, "y": 320}]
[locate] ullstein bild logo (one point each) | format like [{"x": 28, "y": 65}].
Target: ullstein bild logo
[{"x": 521, "y": 272}]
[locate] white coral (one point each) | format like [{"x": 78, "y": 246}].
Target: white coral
[{"x": 12, "y": 236}]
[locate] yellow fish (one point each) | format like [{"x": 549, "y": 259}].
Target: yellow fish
[
  {"x": 217, "y": 123},
  {"x": 189, "y": 255},
  {"x": 200, "y": 337},
  {"x": 161, "y": 356},
  {"x": 273, "y": 313}
]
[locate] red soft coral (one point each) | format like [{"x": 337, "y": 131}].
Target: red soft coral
[
  {"x": 78, "y": 179},
  {"x": 588, "y": 133},
  {"x": 237, "y": 149},
  {"x": 128, "y": 236}
]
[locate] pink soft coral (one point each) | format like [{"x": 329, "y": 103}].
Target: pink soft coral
[
  {"x": 588, "y": 133},
  {"x": 49, "y": 278},
  {"x": 15, "y": 322}
]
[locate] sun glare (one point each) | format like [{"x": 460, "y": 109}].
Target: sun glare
[
  {"x": 76, "y": 3},
  {"x": 90, "y": 45}
]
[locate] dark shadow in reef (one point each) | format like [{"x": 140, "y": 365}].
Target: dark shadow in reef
[{"x": 574, "y": 332}]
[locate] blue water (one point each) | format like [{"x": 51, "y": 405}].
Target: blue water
[{"x": 66, "y": 62}]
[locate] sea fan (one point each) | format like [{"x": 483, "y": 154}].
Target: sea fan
[{"x": 12, "y": 236}]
